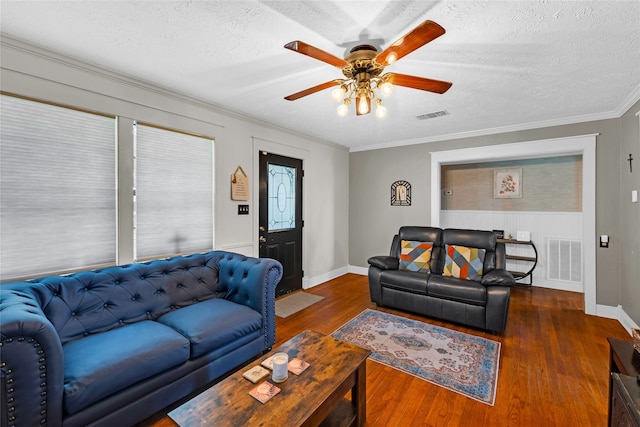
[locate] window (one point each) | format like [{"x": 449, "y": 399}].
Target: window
[
  {"x": 174, "y": 192},
  {"x": 57, "y": 195},
  {"x": 282, "y": 195}
]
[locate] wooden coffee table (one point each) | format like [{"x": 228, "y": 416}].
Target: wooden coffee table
[{"x": 315, "y": 397}]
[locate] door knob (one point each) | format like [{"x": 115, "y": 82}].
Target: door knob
[
  {"x": 261, "y": 228},
  {"x": 263, "y": 239}
]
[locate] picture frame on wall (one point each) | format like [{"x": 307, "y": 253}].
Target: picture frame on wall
[
  {"x": 507, "y": 183},
  {"x": 401, "y": 193}
]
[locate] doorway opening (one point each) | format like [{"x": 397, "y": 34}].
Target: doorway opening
[{"x": 584, "y": 145}]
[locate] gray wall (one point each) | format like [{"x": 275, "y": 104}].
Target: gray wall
[
  {"x": 373, "y": 221},
  {"x": 552, "y": 184},
  {"x": 30, "y": 71},
  {"x": 629, "y": 215}
]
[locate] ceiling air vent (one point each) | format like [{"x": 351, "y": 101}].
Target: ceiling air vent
[{"x": 433, "y": 115}]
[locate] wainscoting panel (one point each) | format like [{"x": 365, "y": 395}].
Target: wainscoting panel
[{"x": 544, "y": 227}]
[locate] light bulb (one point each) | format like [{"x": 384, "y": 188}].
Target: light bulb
[
  {"x": 337, "y": 94},
  {"x": 386, "y": 88},
  {"x": 343, "y": 110},
  {"x": 381, "y": 111},
  {"x": 363, "y": 105}
]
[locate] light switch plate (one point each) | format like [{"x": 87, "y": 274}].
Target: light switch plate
[{"x": 634, "y": 196}]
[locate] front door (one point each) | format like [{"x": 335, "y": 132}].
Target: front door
[{"x": 280, "y": 222}]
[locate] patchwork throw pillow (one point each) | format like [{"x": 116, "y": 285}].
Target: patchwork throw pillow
[
  {"x": 415, "y": 256},
  {"x": 463, "y": 262}
]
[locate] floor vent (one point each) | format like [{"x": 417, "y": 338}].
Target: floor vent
[
  {"x": 432, "y": 115},
  {"x": 564, "y": 260}
]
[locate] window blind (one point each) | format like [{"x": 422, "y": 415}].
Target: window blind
[
  {"x": 57, "y": 189},
  {"x": 174, "y": 193}
]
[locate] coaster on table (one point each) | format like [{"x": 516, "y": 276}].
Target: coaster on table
[
  {"x": 268, "y": 363},
  {"x": 255, "y": 374},
  {"x": 264, "y": 392},
  {"x": 296, "y": 366}
]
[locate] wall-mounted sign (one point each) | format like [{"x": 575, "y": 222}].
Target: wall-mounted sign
[
  {"x": 239, "y": 185},
  {"x": 401, "y": 193}
]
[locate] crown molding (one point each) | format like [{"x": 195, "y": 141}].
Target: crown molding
[{"x": 626, "y": 104}]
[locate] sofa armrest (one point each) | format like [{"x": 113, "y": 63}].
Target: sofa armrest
[
  {"x": 497, "y": 308},
  {"x": 497, "y": 277},
  {"x": 31, "y": 362},
  {"x": 384, "y": 262},
  {"x": 252, "y": 282}
]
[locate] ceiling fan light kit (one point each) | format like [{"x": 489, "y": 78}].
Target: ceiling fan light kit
[{"x": 363, "y": 68}]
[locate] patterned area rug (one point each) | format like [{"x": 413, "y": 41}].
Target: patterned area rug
[
  {"x": 456, "y": 361},
  {"x": 289, "y": 304}
]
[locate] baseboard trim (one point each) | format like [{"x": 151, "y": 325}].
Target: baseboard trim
[
  {"x": 310, "y": 282},
  {"x": 363, "y": 271},
  {"x": 561, "y": 286},
  {"x": 626, "y": 321},
  {"x": 607, "y": 311},
  {"x": 616, "y": 313}
]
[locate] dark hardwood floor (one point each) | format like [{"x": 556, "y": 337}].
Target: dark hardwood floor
[{"x": 553, "y": 371}]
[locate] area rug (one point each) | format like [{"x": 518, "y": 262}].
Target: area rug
[
  {"x": 460, "y": 362},
  {"x": 293, "y": 303}
]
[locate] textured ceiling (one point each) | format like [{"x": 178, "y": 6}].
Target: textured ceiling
[{"x": 513, "y": 64}]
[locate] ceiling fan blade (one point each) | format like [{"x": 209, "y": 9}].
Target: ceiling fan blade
[
  {"x": 313, "y": 89},
  {"x": 419, "y": 36},
  {"x": 314, "y": 52},
  {"x": 430, "y": 85}
]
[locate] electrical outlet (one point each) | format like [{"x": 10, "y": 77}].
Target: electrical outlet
[{"x": 604, "y": 241}]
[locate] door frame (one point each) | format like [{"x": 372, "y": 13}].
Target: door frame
[
  {"x": 584, "y": 145},
  {"x": 258, "y": 145}
]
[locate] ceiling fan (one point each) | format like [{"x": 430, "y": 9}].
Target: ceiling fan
[{"x": 363, "y": 68}]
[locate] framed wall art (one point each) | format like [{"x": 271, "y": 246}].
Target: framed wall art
[
  {"x": 401, "y": 193},
  {"x": 507, "y": 183}
]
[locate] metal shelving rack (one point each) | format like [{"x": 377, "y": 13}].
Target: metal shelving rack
[{"x": 521, "y": 275}]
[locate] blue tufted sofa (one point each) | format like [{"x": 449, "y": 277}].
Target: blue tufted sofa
[{"x": 113, "y": 346}]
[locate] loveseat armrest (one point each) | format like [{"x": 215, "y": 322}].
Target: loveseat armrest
[
  {"x": 377, "y": 265},
  {"x": 497, "y": 308},
  {"x": 498, "y": 277},
  {"x": 31, "y": 363},
  {"x": 252, "y": 282},
  {"x": 384, "y": 262}
]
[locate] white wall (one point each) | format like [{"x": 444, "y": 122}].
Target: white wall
[{"x": 33, "y": 72}]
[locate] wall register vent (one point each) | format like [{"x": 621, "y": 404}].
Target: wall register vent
[{"x": 564, "y": 260}]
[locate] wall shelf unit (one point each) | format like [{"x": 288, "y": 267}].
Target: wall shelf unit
[{"x": 529, "y": 261}]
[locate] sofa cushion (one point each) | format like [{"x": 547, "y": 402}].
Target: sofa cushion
[
  {"x": 408, "y": 281},
  {"x": 460, "y": 290},
  {"x": 95, "y": 301},
  {"x": 415, "y": 256},
  {"x": 214, "y": 323},
  {"x": 101, "y": 364},
  {"x": 463, "y": 263}
]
